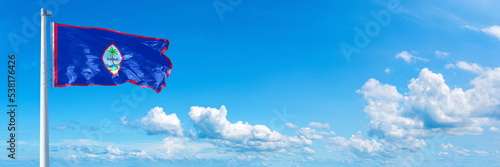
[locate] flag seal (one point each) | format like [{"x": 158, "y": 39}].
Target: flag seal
[{"x": 112, "y": 58}]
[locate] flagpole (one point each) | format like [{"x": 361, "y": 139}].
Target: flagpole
[{"x": 44, "y": 120}]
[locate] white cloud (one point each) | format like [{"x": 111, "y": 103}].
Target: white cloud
[
  {"x": 449, "y": 65},
  {"x": 213, "y": 125},
  {"x": 63, "y": 127},
  {"x": 245, "y": 157},
  {"x": 457, "y": 150},
  {"x": 327, "y": 133},
  {"x": 124, "y": 120},
  {"x": 494, "y": 129},
  {"x": 305, "y": 150},
  {"x": 471, "y": 27},
  {"x": 157, "y": 122},
  {"x": 430, "y": 107},
  {"x": 114, "y": 151},
  {"x": 172, "y": 145},
  {"x": 141, "y": 155},
  {"x": 113, "y": 154},
  {"x": 481, "y": 153},
  {"x": 357, "y": 145},
  {"x": 170, "y": 148},
  {"x": 291, "y": 126},
  {"x": 448, "y": 146},
  {"x": 117, "y": 154},
  {"x": 493, "y": 30},
  {"x": 92, "y": 155},
  {"x": 72, "y": 158},
  {"x": 409, "y": 57},
  {"x": 319, "y": 125},
  {"x": 441, "y": 54},
  {"x": 405, "y": 56},
  {"x": 180, "y": 147},
  {"x": 192, "y": 134},
  {"x": 308, "y": 150},
  {"x": 475, "y": 68},
  {"x": 214, "y": 137},
  {"x": 443, "y": 154},
  {"x": 387, "y": 70},
  {"x": 313, "y": 134}
]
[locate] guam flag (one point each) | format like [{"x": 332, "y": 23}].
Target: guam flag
[{"x": 86, "y": 56}]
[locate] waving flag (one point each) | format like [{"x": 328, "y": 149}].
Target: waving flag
[{"x": 85, "y": 56}]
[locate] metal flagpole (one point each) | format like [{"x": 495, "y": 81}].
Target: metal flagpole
[{"x": 44, "y": 120}]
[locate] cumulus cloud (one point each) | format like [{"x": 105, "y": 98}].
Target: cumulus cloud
[
  {"x": 481, "y": 153},
  {"x": 124, "y": 120},
  {"x": 213, "y": 136},
  {"x": 170, "y": 148},
  {"x": 114, "y": 154},
  {"x": 72, "y": 148},
  {"x": 113, "y": 151},
  {"x": 441, "y": 54},
  {"x": 448, "y": 146},
  {"x": 387, "y": 70},
  {"x": 157, "y": 122},
  {"x": 493, "y": 30},
  {"x": 140, "y": 155},
  {"x": 109, "y": 153},
  {"x": 357, "y": 145},
  {"x": 213, "y": 125},
  {"x": 180, "y": 147},
  {"x": 449, "y": 65},
  {"x": 172, "y": 145},
  {"x": 127, "y": 122},
  {"x": 431, "y": 107},
  {"x": 319, "y": 125},
  {"x": 72, "y": 158},
  {"x": 291, "y": 126},
  {"x": 313, "y": 134},
  {"x": 457, "y": 150},
  {"x": 305, "y": 150},
  {"x": 472, "y": 67},
  {"x": 409, "y": 57},
  {"x": 308, "y": 150},
  {"x": 494, "y": 129},
  {"x": 443, "y": 154}
]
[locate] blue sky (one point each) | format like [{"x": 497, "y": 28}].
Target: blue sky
[{"x": 420, "y": 87}]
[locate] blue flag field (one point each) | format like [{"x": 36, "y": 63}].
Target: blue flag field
[{"x": 85, "y": 56}]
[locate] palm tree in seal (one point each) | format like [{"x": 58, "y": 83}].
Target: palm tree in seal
[{"x": 112, "y": 51}]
